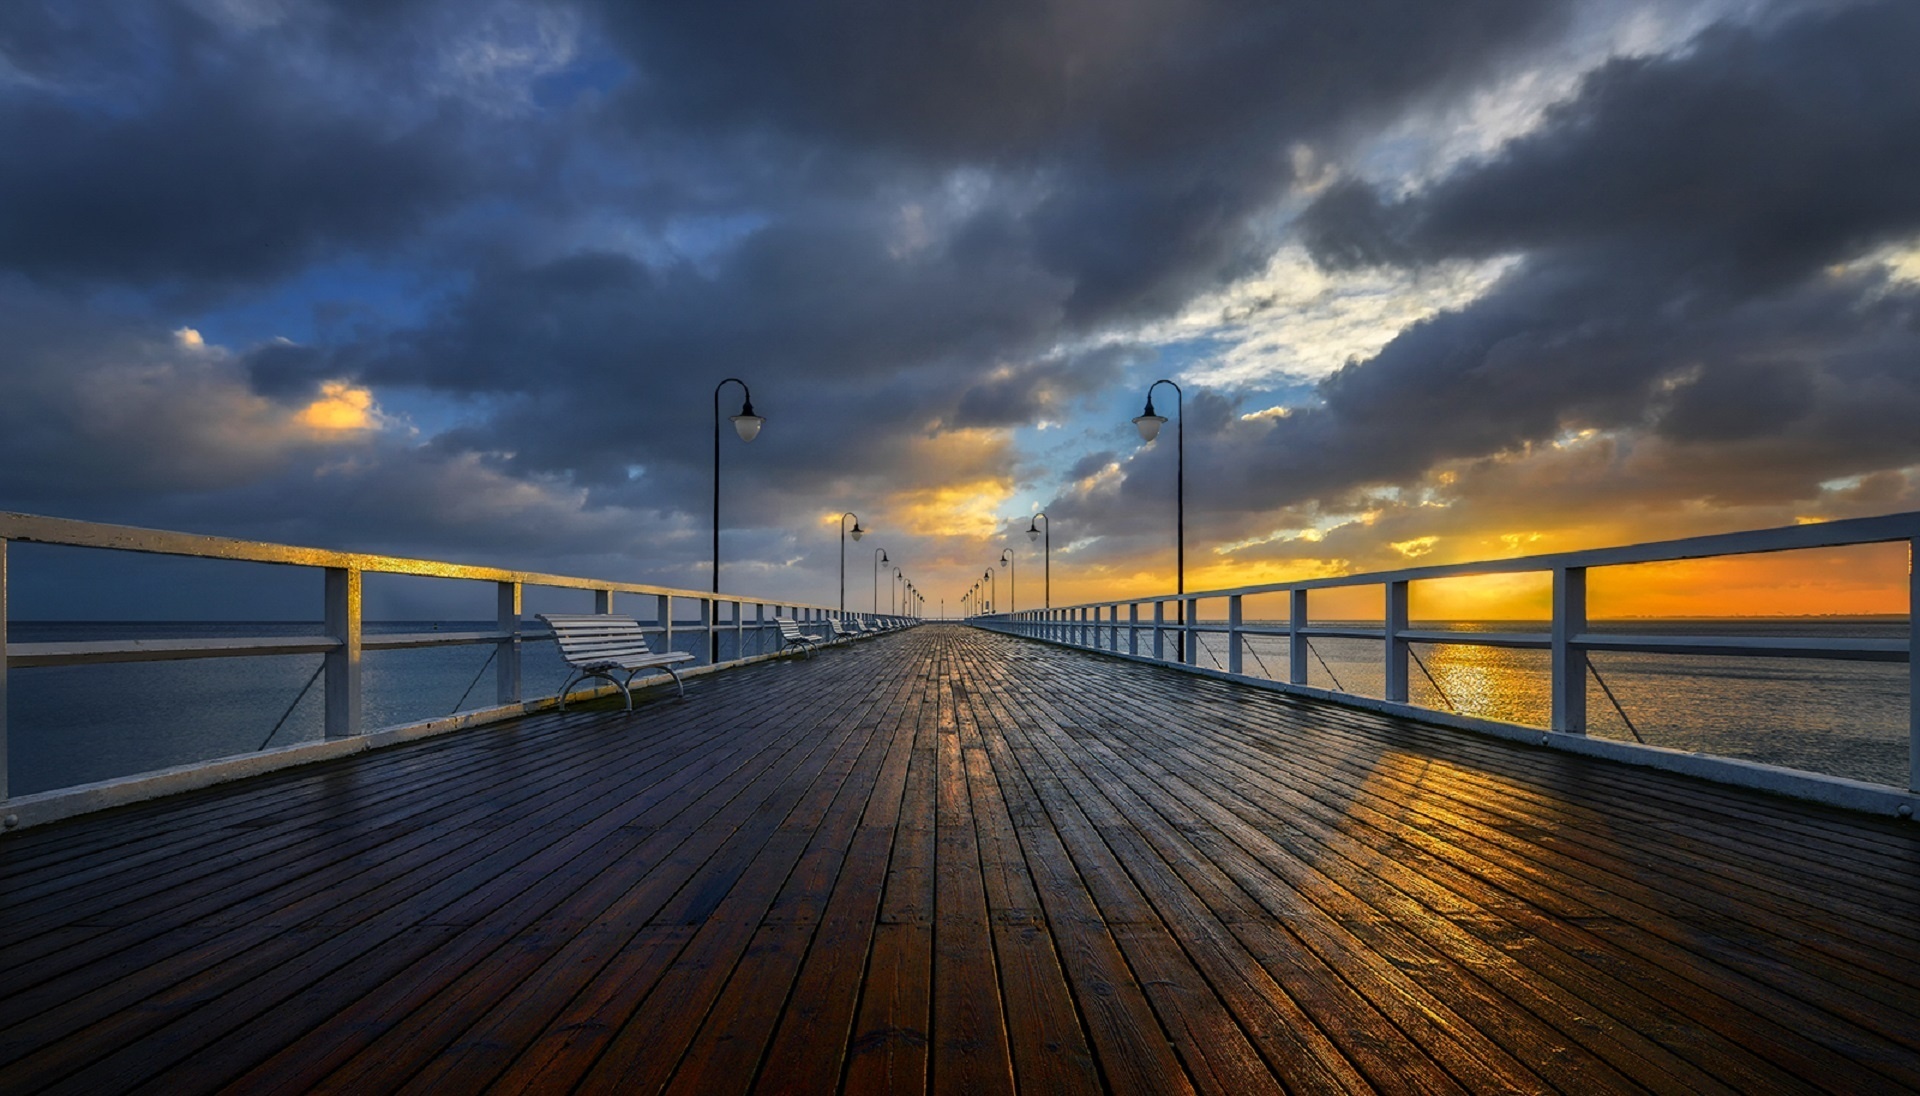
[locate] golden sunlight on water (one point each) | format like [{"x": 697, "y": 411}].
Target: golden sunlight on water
[{"x": 1839, "y": 718}]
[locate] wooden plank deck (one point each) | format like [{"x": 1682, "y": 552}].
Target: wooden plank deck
[{"x": 962, "y": 862}]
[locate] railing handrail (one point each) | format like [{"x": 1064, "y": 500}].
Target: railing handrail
[
  {"x": 1827, "y": 534},
  {"x": 36, "y": 529}
]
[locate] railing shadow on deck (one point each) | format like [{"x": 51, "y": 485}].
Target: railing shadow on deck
[{"x": 1168, "y": 630}]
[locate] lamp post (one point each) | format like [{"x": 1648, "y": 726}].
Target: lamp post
[
  {"x": 857, "y": 534},
  {"x": 1149, "y": 425},
  {"x": 747, "y": 425},
  {"x": 879, "y": 557},
  {"x": 993, "y": 590},
  {"x": 1013, "y": 580},
  {"x": 1034, "y": 532}
]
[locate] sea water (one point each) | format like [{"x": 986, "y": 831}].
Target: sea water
[
  {"x": 1838, "y": 718},
  {"x": 76, "y": 724},
  {"x": 71, "y": 725}
]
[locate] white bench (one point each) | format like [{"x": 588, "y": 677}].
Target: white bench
[
  {"x": 842, "y": 631},
  {"x": 597, "y": 645},
  {"x": 792, "y": 636}
]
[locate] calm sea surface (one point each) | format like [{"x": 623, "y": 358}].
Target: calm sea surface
[
  {"x": 72, "y": 725},
  {"x": 76, "y": 724}
]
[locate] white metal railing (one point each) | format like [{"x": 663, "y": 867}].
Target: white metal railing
[
  {"x": 344, "y": 640},
  {"x": 1569, "y": 639}
]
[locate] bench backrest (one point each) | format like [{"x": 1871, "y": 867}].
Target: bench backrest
[
  {"x": 789, "y": 627},
  {"x": 587, "y": 636}
]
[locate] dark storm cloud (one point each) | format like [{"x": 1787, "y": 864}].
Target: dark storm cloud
[
  {"x": 1117, "y": 154},
  {"x": 1678, "y": 222},
  {"x": 150, "y": 145},
  {"x": 1004, "y": 80},
  {"x": 1156, "y": 127},
  {"x": 1090, "y": 464},
  {"x": 1111, "y": 178},
  {"x": 1749, "y": 160},
  {"x": 207, "y": 187},
  {"x": 1022, "y": 395},
  {"x": 890, "y": 219}
]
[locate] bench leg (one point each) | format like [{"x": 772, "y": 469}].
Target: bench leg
[
  {"x": 626, "y": 690},
  {"x": 571, "y": 678}
]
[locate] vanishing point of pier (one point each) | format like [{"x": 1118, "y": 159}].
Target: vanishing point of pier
[{"x": 960, "y": 861}]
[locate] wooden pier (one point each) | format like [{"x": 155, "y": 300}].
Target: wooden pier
[{"x": 958, "y": 861}]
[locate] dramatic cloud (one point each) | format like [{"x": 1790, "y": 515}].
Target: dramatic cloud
[
  {"x": 460, "y": 279},
  {"x": 1678, "y": 227}
]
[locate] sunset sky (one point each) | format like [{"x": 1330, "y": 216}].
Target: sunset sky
[{"x": 1440, "y": 281}]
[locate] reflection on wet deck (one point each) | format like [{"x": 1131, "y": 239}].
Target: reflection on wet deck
[{"x": 959, "y": 861}]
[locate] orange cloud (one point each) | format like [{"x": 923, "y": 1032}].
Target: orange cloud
[{"x": 340, "y": 407}]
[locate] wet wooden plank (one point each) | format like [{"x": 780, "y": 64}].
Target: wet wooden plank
[{"x": 957, "y": 861}]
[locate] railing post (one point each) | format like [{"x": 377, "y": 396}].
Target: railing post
[
  {"x": 343, "y": 662},
  {"x": 1233, "y": 634},
  {"x": 1396, "y": 653},
  {"x": 739, "y": 630},
  {"x": 1296, "y": 643},
  {"x": 1913, "y": 670},
  {"x": 1191, "y": 636},
  {"x": 506, "y": 659},
  {"x": 665, "y": 609},
  {"x": 709, "y": 614},
  {"x": 1133, "y": 627},
  {"x": 1159, "y": 630},
  {"x": 1569, "y": 659},
  {"x": 3, "y": 669},
  {"x": 603, "y": 601}
]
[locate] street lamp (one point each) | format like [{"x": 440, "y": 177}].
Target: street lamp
[
  {"x": 993, "y": 590},
  {"x": 1034, "y": 532},
  {"x": 857, "y": 534},
  {"x": 879, "y": 557},
  {"x": 1150, "y": 424},
  {"x": 747, "y": 425},
  {"x": 1013, "y": 580}
]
